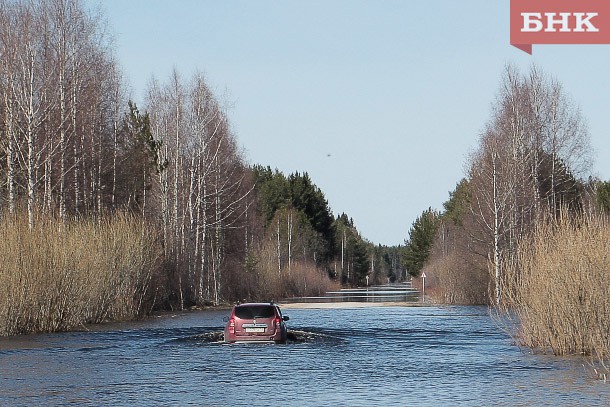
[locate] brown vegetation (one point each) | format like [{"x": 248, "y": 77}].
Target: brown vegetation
[
  {"x": 283, "y": 263},
  {"x": 302, "y": 280},
  {"x": 557, "y": 287},
  {"x": 445, "y": 285},
  {"x": 59, "y": 276},
  {"x": 457, "y": 268}
]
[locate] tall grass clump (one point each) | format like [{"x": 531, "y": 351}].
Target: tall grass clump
[
  {"x": 557, "y": 288},
  {"x": 453, "y": 279},
  {"x": 300, "y": 280},
  {"x": 62, "y": 275}
]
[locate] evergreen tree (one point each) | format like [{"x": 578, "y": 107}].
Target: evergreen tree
[
  {"x": 278, "y": 192},
  {"x": 343, "y": 219},
  {"x": 309, "y": 199},
  {"x": 273, "y": 191},
  {"x": 558, "y": 186},
  {"x": 139, "y": 159},
  {"x": 421, "y": 238},
  {"x": 458, "y": 203},
  {"x": 359, "y": 259}
]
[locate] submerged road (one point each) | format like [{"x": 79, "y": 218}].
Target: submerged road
[{"x": 372, "y": 356}]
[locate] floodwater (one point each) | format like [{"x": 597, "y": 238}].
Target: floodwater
[
  {"x": 370, "y": 356},
  {"x": 400, "y": 292}
]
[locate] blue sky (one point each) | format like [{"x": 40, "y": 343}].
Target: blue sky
[{"x": 380, "y": 101}]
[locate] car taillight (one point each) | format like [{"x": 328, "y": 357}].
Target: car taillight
[
  {"x": 278, "y": 321},
  {"x": 231, "y": 326}
]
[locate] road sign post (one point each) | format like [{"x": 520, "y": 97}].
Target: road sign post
[{"x": 423, "y": 287}]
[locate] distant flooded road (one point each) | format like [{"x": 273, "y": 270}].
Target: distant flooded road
[{"x": 380, "y": 356}]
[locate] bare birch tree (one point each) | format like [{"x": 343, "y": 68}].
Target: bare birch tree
[
  {"x": 200, "y": 194},
  {"x": 57, "y": 73},
  {"x": 524, "y": 168}
]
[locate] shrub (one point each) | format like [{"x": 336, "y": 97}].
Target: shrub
[
  {"x": 453, "y": 280},
  {"x": 59, "y": 276},
  {"x": 557, "y": 288},
  {"x": 302, "y": 280}
]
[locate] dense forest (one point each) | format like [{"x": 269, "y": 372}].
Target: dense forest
[{"x": 74, "y": 149}]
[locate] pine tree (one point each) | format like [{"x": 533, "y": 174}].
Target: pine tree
[{"x": 421, "y": 238}]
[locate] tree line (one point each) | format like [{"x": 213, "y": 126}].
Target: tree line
[
  {"x": 61, "y": 96},
  {"x": 301, "y": 229},
  {"x": 527, "y": 228},
  {"x": 531, "y": 167},
  {"x": 73, "y": 146}
]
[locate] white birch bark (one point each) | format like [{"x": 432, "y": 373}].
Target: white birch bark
[{"x": 10, "y": 145}]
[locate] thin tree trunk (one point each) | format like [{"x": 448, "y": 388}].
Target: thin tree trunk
[
  {"x": 218, "y": 240},
  {"x": 289, "y": 222},
  {"x": 10, "y": 150},
  {"x": 191, "y": 207},
  {"x": 176, "y": 171},
  {"x": 279, "y": 247},
  {"x": 496, "y": 230},
  {"x": 30, "y": 134},
  {"x": 198, "y": 250},
  {"x": 62, "y": 147},
  {"x": 98, "y": 188},
  {"x": 75, "y": 148},
  {"x": 204, "y": 232},
  {"x": 115, "y": 150},
  {"x": 165, "y": 207},
  {"x": 48, "y": 171}
]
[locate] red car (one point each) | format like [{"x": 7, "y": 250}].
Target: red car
[{"x": 256, "y": 322}]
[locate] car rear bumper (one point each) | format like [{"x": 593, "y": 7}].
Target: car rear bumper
[{"x": 254, "y": 339}]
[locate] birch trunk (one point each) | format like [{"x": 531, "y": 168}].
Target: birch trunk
[
  {"x": 10, "y": 149},
  {"x": 62, "y": 147},
  {"x": 289, "y": 224},
  {"x": 204, "y": 234},
  {"x": 279, "y": 246},
  {"x": 192, "y": 266},
  {"x": 75, "y": 147},
  {"x": 218, "y": 231},
  {"x": 496, "y": 229},
  {"x": 31, "y": 141}
]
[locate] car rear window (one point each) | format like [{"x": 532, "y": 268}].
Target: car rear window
[{"x": 254, "y": 311}]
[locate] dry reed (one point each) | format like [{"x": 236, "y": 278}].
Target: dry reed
[
  {"x": 60, "y": 276},
  {"x": 453, "y": 280},
  {"x": 301, "y": 280},
  {"x": 557, "y": 288}
]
